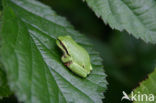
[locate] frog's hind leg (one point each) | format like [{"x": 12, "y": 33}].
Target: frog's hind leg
[{"x": 77, "y": 69}]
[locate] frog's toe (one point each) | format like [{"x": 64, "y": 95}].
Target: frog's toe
[
  {"x": 66, "y": 59},
  {"x": 91, "y": 67}
]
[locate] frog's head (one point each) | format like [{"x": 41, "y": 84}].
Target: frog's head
[
  {"x": 64, "y": 38},
  {"x": 61, "y": 43}
]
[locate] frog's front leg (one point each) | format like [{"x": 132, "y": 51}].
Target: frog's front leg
[
  {"x": 91, "y": 67},
  {"x": 76, "y": 68},
  {"x": 66, "y": 58}
]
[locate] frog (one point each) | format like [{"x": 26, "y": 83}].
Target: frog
[{"x": 75, "y": 57}]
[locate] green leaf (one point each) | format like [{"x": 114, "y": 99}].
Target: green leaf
[
  {"x": 138, "y": 17},
  {"x": 4, "y": 88},
  {"x": 0, "y": 4},
  {"x": 147, "y": 87},
  {"x": 33, "y": 61}
]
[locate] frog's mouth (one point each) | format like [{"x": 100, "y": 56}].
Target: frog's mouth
[{"x": 64, "y": 48}]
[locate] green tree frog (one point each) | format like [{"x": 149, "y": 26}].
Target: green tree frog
[{"x": 75, "y": 57}]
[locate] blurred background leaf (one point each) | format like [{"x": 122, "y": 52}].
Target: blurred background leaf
[
  {"x": 147, "y": 87},
  {"x": 138, "y": 17}
]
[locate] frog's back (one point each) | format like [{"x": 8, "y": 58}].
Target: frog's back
[{"x": 77, "y": 53}]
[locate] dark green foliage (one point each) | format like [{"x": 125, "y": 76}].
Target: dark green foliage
[{"x": 4, "y": 88}]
